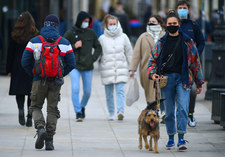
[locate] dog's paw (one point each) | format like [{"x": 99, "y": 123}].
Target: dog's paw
[
  {"x": 140, "y": 147},
  {"x": 146, "y": 146},
  {"x": 150, "y": 149},
  {"x": 156, "y": 151}
]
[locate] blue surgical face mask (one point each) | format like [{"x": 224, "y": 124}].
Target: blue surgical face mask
[
  {"x": 85, "y": 25},
  {"x": 112, "y": 28},
  {"x": 183, "y": 13}
]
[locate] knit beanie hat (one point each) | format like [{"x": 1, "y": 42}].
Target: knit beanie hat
[{"x": 51, "y": 20}]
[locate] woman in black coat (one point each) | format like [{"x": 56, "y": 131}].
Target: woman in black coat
[{"x": 21, "y": 82}]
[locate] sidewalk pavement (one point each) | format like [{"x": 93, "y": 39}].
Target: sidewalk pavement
[{"x": 98, "y": 137}]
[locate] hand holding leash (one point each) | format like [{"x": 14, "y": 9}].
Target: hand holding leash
[{"x": 155, "y": 76}]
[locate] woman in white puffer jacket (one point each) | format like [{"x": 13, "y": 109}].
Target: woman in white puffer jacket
[{"x": 114, "y": 64}]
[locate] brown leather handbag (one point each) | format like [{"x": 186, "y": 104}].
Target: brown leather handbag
[{"x": 163, "y": 81}]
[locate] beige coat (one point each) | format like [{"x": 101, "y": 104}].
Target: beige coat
[{"x": 142, "y": 48}]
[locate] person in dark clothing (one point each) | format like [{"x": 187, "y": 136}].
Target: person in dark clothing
[
  {"x": 1, "y": 40},
  {"x": 47, "y": 87},
  {"x": 123, "y": 18},
  {"x": 207, "y": 27},
  {"x": 175, "y": 55},
  {"x": 83, "y": 40},
  {"x": 192, "y": 30},
  {"x": 21, "y": 82}
]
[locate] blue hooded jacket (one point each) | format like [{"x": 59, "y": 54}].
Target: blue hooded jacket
[
  {"x": 67, "y": 54},
  {"x": 187, "y": 27}
]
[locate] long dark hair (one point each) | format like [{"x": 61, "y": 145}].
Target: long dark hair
[{"x": 24, "y": 28}]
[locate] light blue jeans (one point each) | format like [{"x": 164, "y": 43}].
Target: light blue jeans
[
  {"x": 75, "y": 83},
  {"x": 175, "y": 94},
  {"x": 120, "y": 98}
]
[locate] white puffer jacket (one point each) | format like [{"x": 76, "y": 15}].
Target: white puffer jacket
[{"x": 116, "y": 56}]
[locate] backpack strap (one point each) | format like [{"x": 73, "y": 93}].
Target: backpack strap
[
  {"x": 42, "y": 39},
  {"x": 57, "y": 41}
]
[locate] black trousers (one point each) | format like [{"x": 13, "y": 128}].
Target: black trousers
[
  {"x": 193, "y": 96},
  {"x": 20, "y": 99}
]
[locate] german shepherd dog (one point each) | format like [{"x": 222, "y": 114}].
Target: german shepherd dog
[{"x": 148, "y": 125}]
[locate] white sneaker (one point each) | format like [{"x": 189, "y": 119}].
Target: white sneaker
[
  {"x": 191, "y": 121},
  {"x": 111, "y": 117},
  {"x": 120, "y": 116}
]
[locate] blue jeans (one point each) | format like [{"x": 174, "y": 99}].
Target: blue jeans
[
  {"x": 175, "y": 94},
  {"x": 120, "y": 98},
  {"x": 75, "y": 83}
]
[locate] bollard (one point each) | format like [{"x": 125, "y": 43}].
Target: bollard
[
  {"x": 222, "y": 112},
  {"x": 216, "y": 115}
]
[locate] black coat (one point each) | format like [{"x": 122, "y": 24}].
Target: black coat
[{"x": 21, "y": 82}]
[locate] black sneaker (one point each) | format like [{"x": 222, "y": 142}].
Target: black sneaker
[
  {"x": 49, "y": 144},
  {"x": 42, "y": 135},
  {"x": 83, "y": 112},
  {"x": 79, "y": 117},
  {"x": 21, "y": 117},
  {"x": 29, "y": 122}
]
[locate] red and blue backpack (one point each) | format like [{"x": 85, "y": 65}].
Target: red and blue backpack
[{"x": 50, "y": 64}]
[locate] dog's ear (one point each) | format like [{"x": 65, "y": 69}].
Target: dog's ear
[
  {"x": 161, "y": 100},
  {"x": 151, "y": 106},
  {"x": 146, "y": 114}
]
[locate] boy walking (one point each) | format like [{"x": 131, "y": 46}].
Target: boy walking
[
  {"x": 193, "y": 31},
  {"x": 49, "y": 42}
]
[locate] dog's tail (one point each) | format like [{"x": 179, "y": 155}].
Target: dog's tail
[{"x": 152, "y": 105}]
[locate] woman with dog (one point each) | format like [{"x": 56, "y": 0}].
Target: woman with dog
[
  {"x": 144, "y": 44},
  {"x": 176, "y": 56},
  {"x": 114, "y": 63}
]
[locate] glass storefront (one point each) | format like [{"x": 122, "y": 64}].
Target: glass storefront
[{"x": 10, "y": 10}]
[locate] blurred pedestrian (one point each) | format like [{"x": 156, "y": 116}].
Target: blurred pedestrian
[
  {"x": 147, "y": 14},
  {"x": 1, "y": 40},
  {"x": 114, "y": 64},
  {"x": 176, "y": 56},
  {"x": 214, "y": 18},
  {"x": 41, "y": 49},
  {"x": 144, "y": 44},
  {"x": 123, "y": 17},
  {"x": 83, "y": 40},
  {"x": 21, "y": 82},
  {"x": 208, "y": 29},
  {"x": 97, "y": 24},
  {"x": 193, "y": 31}
]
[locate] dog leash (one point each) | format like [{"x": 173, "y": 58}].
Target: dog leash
[{"x": 158, "y": 94}]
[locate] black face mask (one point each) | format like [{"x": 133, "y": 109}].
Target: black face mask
[
  {"x": 172, "y": 29},
  {"x": 151, "y": 24}
]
